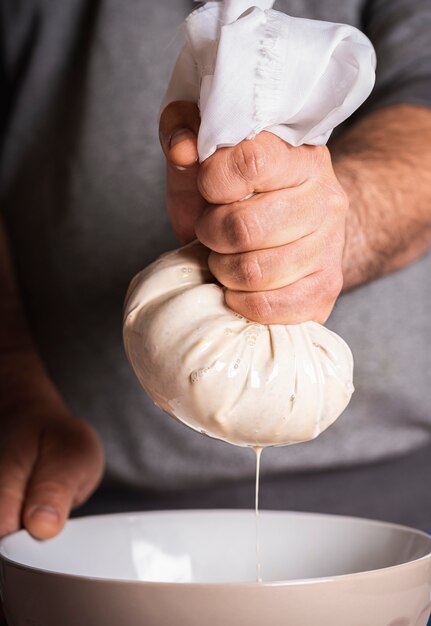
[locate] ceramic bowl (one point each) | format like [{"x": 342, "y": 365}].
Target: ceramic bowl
[{"x": 198, "y": 568}]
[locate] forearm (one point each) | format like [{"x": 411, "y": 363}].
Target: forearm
[
  {"x": 23, "y": 377},
  {"x": 384, "y": 164}
]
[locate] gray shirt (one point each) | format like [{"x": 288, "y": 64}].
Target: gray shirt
[{"x": 82, "y": 191}]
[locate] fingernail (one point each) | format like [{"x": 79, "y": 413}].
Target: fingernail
[
  {"x": 181, "y": 135},
  {"x": 44, "y": 513}
]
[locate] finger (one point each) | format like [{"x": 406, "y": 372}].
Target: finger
[
  {"x": 178, "y": 130},
  {"x": 311, "y": 298},
  {"x": 266, "y": 163},
  {"x": 18, "y": 457},
  {"x": 184, "y": 202},
  {"x": 68, "y": 468},
  {"x": 179, "y": 126},
  {"x": 269, "y": 220},
  {"x": 273, "y": 268}
]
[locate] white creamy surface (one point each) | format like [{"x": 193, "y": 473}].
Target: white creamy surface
[{"x": 236, "y": 380}]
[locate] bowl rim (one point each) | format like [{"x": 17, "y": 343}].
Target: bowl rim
[{"x": 246, "y": 584}]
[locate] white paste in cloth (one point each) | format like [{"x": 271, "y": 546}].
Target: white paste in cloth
[{"x": 246, "y": 383}]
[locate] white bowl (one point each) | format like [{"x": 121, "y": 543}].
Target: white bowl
[{"x": 198, "y": 568}]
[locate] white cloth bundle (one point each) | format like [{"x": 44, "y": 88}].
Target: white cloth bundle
[
  {"x": 249, "y": 69},
  {"x": 295, "y": 77},
  {"x": 223, "y": 375}
]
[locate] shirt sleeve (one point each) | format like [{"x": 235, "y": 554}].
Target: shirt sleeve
[{"x": 400, "y": 31}]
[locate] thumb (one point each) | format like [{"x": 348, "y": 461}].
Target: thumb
[
  {"x": 178, "y": 130},
  {"x": 179, "y": 127},
  {"x": 68, "y": 469}
]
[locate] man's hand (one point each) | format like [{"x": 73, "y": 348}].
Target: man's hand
[
  {"x": 278, "y": 252},
  {"x": 50, "y": 461}
]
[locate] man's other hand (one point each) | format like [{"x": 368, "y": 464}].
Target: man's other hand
[{"x": 50, "y": 461}]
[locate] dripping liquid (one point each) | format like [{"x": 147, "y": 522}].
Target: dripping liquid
[{"x": 258, "y": 452}]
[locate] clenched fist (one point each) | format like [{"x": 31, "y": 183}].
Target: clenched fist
[{"x": 272, "y": 215}]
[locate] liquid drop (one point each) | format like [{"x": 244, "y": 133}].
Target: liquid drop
[{"x": 258, "y": 452}]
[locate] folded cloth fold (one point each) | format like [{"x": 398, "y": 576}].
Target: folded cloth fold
[{"x": 251, "y": 68}]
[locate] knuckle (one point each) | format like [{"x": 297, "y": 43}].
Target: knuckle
[
  {"x": 51, "y": 490},
  {"x": 249, "y": 270},
  {"x": 259, "y": 307},
  {"x": 318, "y": 299},
  {"x": 250, "y": 160},
  {"x": 237, "y": 229},
  {"x": 209, "y": 174}
]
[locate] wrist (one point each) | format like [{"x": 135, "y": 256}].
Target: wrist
[{"x": 359, "y": 262}]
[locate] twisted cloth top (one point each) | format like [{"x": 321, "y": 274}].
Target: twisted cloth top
[{"x": 251, "y": 68}]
